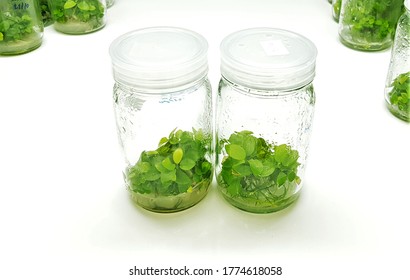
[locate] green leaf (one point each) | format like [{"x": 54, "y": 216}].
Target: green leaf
[
  {"x": 205, "y": 167},
  {"x": 144, "y": 166},
  {"x": 256, "y": 166},
  {"x": 152, "y": 175},
  {"x": 168, "y": 176},
  {"x": 177, "y": 155},
  {"x": 69, "y": 4},
  {"x": 187, "y": 164},
  {"x": 234, "y": 188},
  {"x": 1, "y": 36},
  {"x": 182, "y": 178},
  {"x": 292, "y": 176},
  {"x": 281, "y": 179},
  {"x": 192, "y": 154},
  {"x": 236, "y": 151},
  {"x": 162, "y": 141},
  {"x": 242, "y": 169},
  {"x": 281, "y": 153},
  {"x": 249, "y": 145},
  {"x": 167, "y": 163}
]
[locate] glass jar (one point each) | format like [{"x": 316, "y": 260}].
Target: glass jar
[
  {"x": 336, "y": 6},
  {"x": 369, "y": 25},
  {"x": 264, "y": 113},
  {"x": 45, "y": 13},
  {"x": 110, "y": 3},
  {"x": 21, "y": 26},
  {"x": 163, "y": 110},
  {"x": 397, "y": 90},
  {"x": 78, "y": 16}
]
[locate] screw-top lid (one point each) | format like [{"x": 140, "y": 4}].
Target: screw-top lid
[
  {"x": 268, "y": 58},
  {"x": 159, "y": 58}
]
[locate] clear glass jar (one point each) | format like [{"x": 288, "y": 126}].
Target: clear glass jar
[
  {"x": 78, "y": 16},
  {"x": 264, "y": 113},
  {"x": 21, "y": 26},
  {"x": 46, "y": 13},
  {"x": 369, "y": 25},
  {"x": 397, "y": 90},
  {"x": 336, "y": 6},
  {"x": 163, "y": 109}
]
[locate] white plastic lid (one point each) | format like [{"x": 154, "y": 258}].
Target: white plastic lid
[
  {"x": 407, "y": 4},
  {"x": 268, "y": 59},
  {"x": 159, "y": 58}
]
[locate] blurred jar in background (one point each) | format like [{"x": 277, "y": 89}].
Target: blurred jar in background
[
  {"x": 45, "y": 13},
  {"x": 21, "y": 26},
  {"x": 369, "y": 25},
  {"x": 110, "y": 3},
  {"x": 336, "y": 6},
  {"x": 397, "y": 91},
  {"x": 78, "y": 16}
]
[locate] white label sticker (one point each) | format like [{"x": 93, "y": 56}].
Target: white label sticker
[{"x": 274, "y": 47}]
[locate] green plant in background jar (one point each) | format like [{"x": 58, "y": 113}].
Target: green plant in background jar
[
  {"x": 78, "y": 16},
  {"x": 369, "y": 24},
  {"x": 45, "y": 13},
  {"x": 258, "y": 176},
  {"x": 336, "y": 6},
  {"x": 21, "y": 27},
  {"x": 175, "y": 175},
  {"x": 399, "y": 97}
]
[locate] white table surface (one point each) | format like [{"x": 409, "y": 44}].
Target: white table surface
[{"x": 65, "y": 214}]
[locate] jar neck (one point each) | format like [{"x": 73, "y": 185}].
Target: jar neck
[
  {"x": 161, "y": 91},
  {"x": 264, "y": 92}
]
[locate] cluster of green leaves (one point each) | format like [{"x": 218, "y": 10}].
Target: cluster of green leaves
[
  {"x": 372, "y": 20},
  {"x": 45, "y": 12},
  {"x": 14, "y": 26},
  {"x": 178, "y": 165},
  {"x": 255, "y": 169},
  {"x": 400, "y": 95},
  {"x": 91, "y": 11}
]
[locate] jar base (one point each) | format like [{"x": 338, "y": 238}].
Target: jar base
[
  {"x": 168, "y": 204},
  {"x": 78, "y": 27},
  {"x": 399, "y": 113},
  {"x": 259, "y": 207},
  {"x": 365, "y": 46},
  {"x": 28, "y": 44}
]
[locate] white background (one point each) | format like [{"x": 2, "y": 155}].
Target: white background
[{"x": 65, "y": 214}]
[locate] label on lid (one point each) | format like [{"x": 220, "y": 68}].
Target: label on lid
[{"x": 274, "y": 47}]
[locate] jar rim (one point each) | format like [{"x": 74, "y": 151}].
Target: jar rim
[
  {"x": 159, "y": 57},
  {"x": 268, "y": 58}
]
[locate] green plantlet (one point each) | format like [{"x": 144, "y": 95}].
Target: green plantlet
[
  {"x": 15, "y": 26},
  {"x": 399, "y": 96},
  {"x": 256, "y": 174},
  {"x": 77, "y": 16},
  {"x": 20, "y": 29},
  {"x": 177, "y": 166},
  {"x": 371, "y": 21}
]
